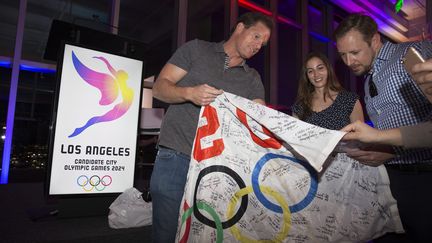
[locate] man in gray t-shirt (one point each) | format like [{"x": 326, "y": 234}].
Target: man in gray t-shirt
[{"x": 194, "y": 76}]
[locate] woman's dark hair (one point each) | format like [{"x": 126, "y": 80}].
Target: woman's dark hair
[{"x": 306, "y": 88}]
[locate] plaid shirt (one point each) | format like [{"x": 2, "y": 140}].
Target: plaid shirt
[{"x": 400, "y": 101}]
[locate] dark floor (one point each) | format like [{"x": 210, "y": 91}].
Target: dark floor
[
  {"x": 25, "y": 217},
  {"x": 19, "y": 202}
]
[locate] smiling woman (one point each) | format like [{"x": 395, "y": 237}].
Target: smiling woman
[{"x": 321, "y": 100}]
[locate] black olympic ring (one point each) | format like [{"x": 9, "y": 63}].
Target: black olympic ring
[
  {"x": 244, "y": 200},
  {"x": 98, "y": 180}
]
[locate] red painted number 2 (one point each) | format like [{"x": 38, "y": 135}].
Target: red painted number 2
[{"x": 210, "y": 128}]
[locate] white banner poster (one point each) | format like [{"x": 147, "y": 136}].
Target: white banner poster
[
  {"x": 245, "y": 184},
  {"x": 96, "y": 125}
]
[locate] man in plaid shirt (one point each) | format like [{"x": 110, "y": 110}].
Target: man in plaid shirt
[{"x": 392, "y": 100}]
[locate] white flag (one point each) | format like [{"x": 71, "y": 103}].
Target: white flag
[{"x": 260, "y": 175}]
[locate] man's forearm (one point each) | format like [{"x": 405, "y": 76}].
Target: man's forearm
[
  {"x": 390, "y": 137},
  {"x": 168, "y": 92}
]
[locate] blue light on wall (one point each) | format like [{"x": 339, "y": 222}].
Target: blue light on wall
[
  {"x": 319, "y": 37},
  {"x": 6, "y": 64},
  {"x": 25, "y": 67},
  {"x": 36, "y": 69}
]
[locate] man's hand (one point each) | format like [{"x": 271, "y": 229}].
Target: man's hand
[
  {"x": 422, "y": 73},
  {"x": 203, "y": 94},
  {"x": 361, "y": 131},
  {"x": 364, "y": 133},
  {"x": 371, "y": 156}
]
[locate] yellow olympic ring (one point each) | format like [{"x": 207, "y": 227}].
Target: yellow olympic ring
[
  {"x": 278, "y": 197},
  {"x": 89, "y": 189}
]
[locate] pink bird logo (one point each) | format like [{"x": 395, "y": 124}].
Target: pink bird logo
[{"x": 109, "y": 87}]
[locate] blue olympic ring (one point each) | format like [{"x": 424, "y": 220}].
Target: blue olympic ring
[{"x": 275, "y": 208}]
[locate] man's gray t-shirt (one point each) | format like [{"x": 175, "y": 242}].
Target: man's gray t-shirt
[{"x": 204, "y": 63}]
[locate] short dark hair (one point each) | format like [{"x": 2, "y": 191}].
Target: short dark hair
[
  {"x": 360, "y": 22},
  {"x": 251, "y": 18}
]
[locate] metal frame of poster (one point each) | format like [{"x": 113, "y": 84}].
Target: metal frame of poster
[{"x": 95, "y": 123}]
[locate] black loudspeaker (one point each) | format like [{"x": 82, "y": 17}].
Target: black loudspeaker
[{"x": 64, "y": 31}]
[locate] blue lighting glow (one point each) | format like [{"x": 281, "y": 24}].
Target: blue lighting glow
[
  {"x": 319, "y": 37},
  {"x": 6, "y": 64},
  {"x": 6, "y": 159},
  {"x": 36, "y": 69},
  {"x": 30, "y": 68}
]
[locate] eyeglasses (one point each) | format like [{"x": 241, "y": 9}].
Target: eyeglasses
[{"x": 372, "y": 87}]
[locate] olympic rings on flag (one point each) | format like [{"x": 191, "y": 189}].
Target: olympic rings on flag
[
  {"x": 275, "y": 208},
  {"x": 212, "y": 212},
  {"x": 259, "y": 191},
  {"x": 240, "y": 183},
  {"x": 94, "y": 182},
  {"x": 278, "y": 197}
]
